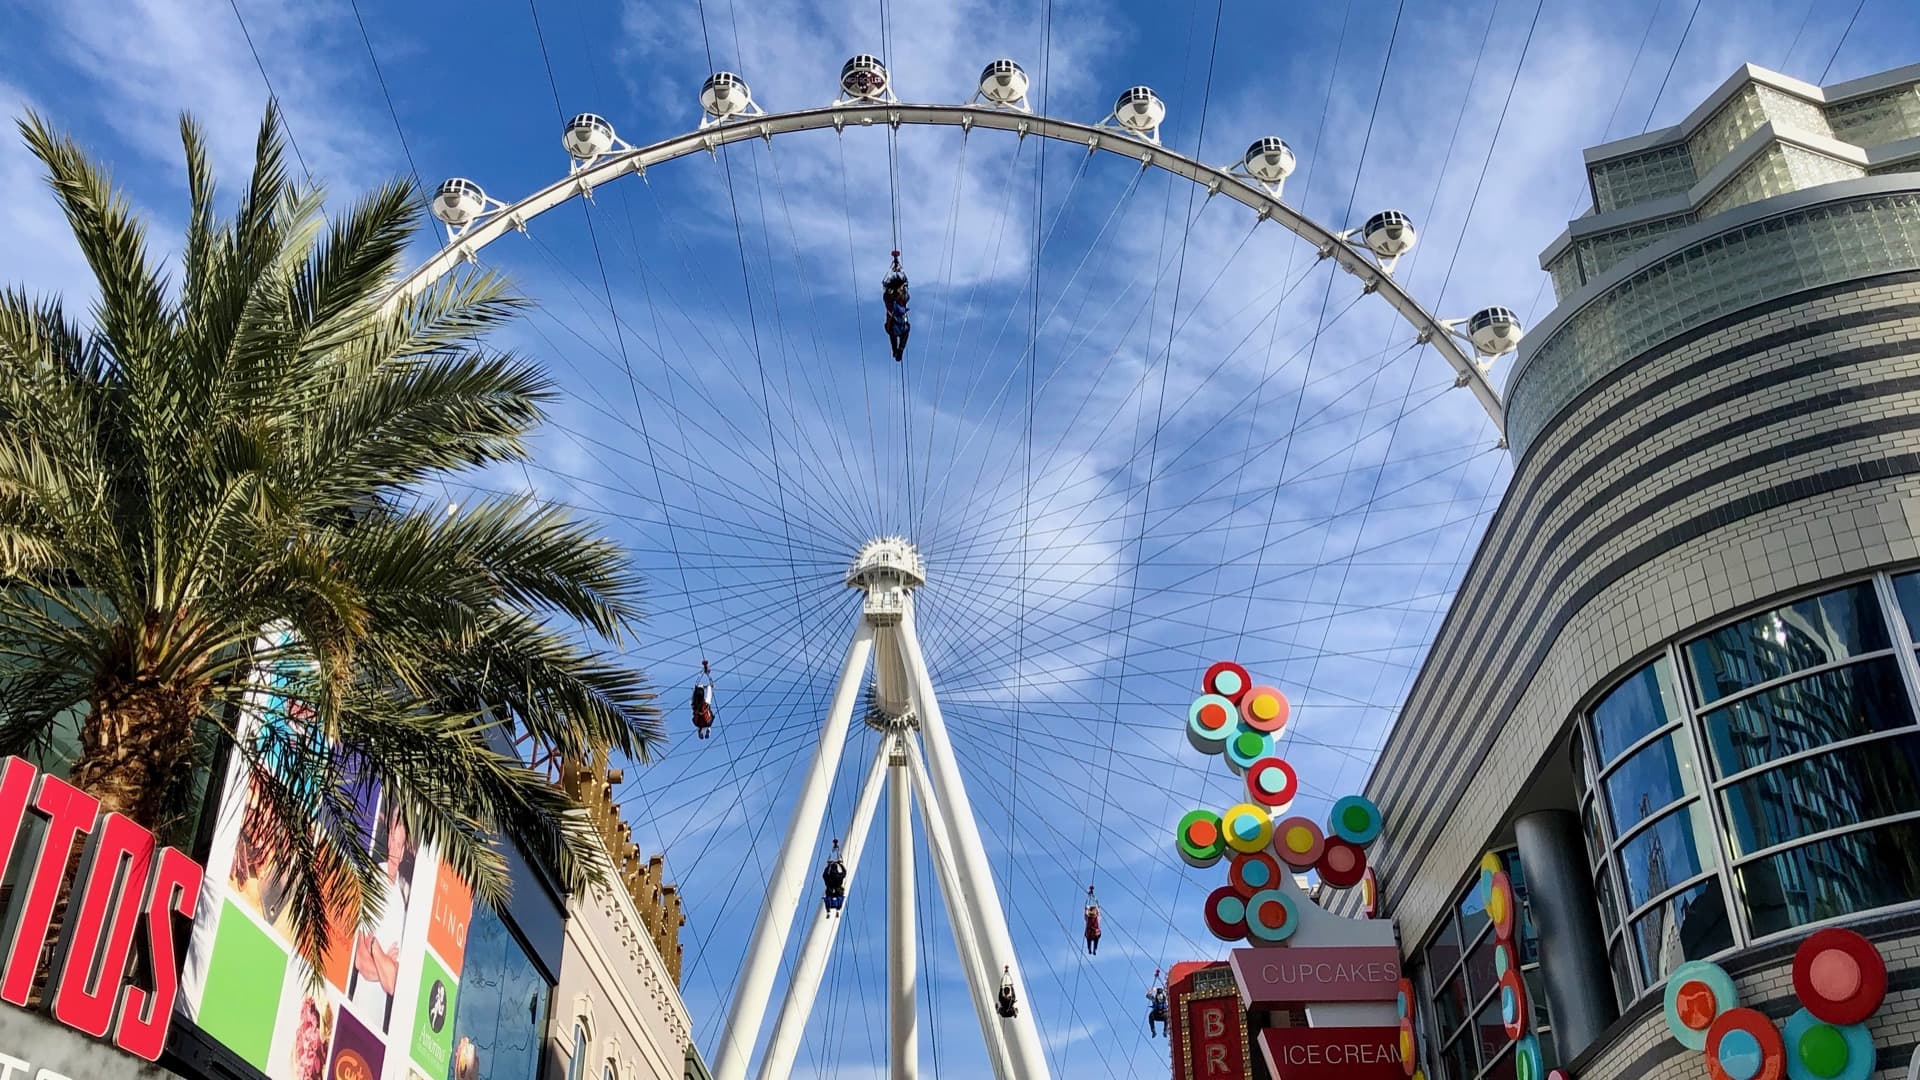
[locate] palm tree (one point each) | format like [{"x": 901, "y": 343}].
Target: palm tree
[{"x": 218, "y": 476}]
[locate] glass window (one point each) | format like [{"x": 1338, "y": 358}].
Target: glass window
[
  {"x": 1480, "y": 976},
  {"x": 1850, "y": 786},
  {"x": 1460, "y": 1058},
  {"x": 1843, "y": 703},
  {"x": 1473, "y": 914},
  {"x": 1444, "y": 953},
  {"x": 1808, "y": 633},
  {"x": 1503, "y": 1069},
  {"x": 1837, "y": 876},
  {"x": 1656, "y": 776},
  {"x": 1609, "y": 909},
  {"x": 503, "y": 1002},
  {"x": 1492, "y": 1032},
  {"x": 607, "y": 1073},
  {"x": 577, "y": 1064},
  {"x": 1690, "y": 925},
  {"x": 1665, "y": 854},
  {"x": 1907, "y": 589},
  {"x": 1452, "y": 1004},
  {"x": 1622, "y": 979},
  {"x": 1635, "y": 709}
]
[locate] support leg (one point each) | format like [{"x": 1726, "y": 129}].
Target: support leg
[
  {"x": 790, "y": 870},
  {"x": 902, "y": 1009},
  {"x": 982, "y": 984},
  {"x": 1027, "y": 1054},
  {"x": 804, "y": 986}
]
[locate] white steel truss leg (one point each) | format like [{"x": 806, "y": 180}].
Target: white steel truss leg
[
  {"x": 979, "y": 897},
  {"x": 903, "y": 1011},
  {"x": 769, "y": 940},
  {"x": 804, "y": 986},
  {"x": 982, "y": 985}
]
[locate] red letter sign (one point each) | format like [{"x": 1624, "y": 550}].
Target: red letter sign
[
  {"x": 144, "y": 1017},
  {"x": 115, "y": 874},
  {"x": 69, "y": 812}
]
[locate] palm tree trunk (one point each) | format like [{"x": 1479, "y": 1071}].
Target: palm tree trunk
[{"x": 136, "y": 753}]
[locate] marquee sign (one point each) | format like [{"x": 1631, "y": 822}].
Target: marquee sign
[
  {"x": 1207, "y": 1026},
  {"x": 123, "y": 887},
  {"x": 1332, "y": 1053},
  {"x": 1273, "y": 978}
]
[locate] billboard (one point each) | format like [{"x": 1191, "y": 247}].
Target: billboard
[{"x": 383, "y": 1007}]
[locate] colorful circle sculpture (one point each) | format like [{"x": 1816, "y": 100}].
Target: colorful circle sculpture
[
  {"x": 1744, "y": 1045},
  {"x": 1369, "y": 894},
  {"x": 1817, "y": 1050},
  {"x": 1226, "y": 914},
  {"x": 1513, "y": 1004},
  {"x": 1698, "y": 991},
  {"x": 1298, "y": 842},
  {"x": 1211, "y": 721},
  {"x": 1409, "y": 1032},
  {"x": 1247, "y": 828},
  {"x": 1271, "y": 916},
  {"x": 1355, "y": 819},
  {"x": 1500, "y": 906},
  {"x": 1528, "y": 1064},
  {"x": 1253, "y": 873},
  {"x": 1200, "y": 839},
  {"x": 1272, "y": 782},
  {"x": 1264, "y": 708},
  {"x": 1227, "y": 679},
  {"x": 1839, "y": 976},
  {"x": 1341, "y": 864},
  {"x": 1503, "y": 959},
  {"x": 1247, "y": 748}
]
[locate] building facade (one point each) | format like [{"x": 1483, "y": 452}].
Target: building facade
[
  {"x": 618, "y": 1013},
  {"x": 1677, "y": 691}
]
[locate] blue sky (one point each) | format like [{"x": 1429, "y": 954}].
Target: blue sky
[{"x": 1228, "y": 455}]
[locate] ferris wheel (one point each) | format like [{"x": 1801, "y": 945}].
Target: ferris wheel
[{"x": 1019, "y": 580}]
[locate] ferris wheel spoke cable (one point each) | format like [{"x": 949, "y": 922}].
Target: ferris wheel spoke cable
[
  {"x": 860, "y": 332},
  {"x": 615, "y": 416},
  {"x": 1090, "y": 445},
  {"x": 949, "y": 244},
  {"x": 801, "y": 446},
  {"x": 849, "y": 466}
]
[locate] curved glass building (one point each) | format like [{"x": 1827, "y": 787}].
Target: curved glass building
[{"x": 1678, "y": 689}]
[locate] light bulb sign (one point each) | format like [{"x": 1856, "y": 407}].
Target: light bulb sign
[{"x": 123, "y": 887}]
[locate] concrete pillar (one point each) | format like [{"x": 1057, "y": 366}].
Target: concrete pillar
[{"x": 1573, "y": 948}]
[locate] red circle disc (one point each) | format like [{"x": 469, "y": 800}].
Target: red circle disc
[
  {"x": 1210, "y": 682},
  {"x": 1518, "y": 1023},
  {"x": 1773, "y": 1048},
  {"x": 1298, "y": 842},
  {"x": 1218, "y": 923},
  {"x": 1341, "y": 864},
  {"x": 1254, "y": 872},
  {"x": 1275, "y": 774},
  {"x": 1839, "y": 976}
]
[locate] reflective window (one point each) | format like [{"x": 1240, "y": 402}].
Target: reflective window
[
  {"x": 1653, "y": 778},
  {"x": 1690, "y": 925},
  {"x": 1451, "y": 1006},
  {"x": 1842, "y": 703},
  {"x": 1907, "y": 588},
  {"x": 1808, "y": 633},
  {"x": 1859, "y": 783},
  {"x": 1465, "y": 1008},
  {"x": 503, "y": 1002},
  {"x": 1665, "y": 854},
  {"x": 1635, "y": 709},
  {"x": 1838, "y": 876},
  {"x": 1459, "y": 1057}
]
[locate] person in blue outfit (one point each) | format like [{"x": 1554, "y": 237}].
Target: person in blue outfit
[
  {"x": 835, "y": 877},
  {"x": 893, "y": 291}
]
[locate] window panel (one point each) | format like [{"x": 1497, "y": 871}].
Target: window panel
[
  {"x": 1635, "y": 709},
  {"x": 1492, "y": 1032},
  {"x": 1811, "y": 632},
  {"x": 1818, "y": 794},
  {"x": 1690, "y": 925},
  {"x": 1503, "y": 1069},
  {"x": 1843, "y": 703},
  {"x": 1653, "y": 778},
  {"x": 1665, "y": 854},
  {"x": 1906, "y": 588},
  {"x": 1452, "y": 1004},
  {"x": 1622, "y": 979},
  {"x": 1480, "y": 976},
  {"x": 1837, "y": 876},
  {"x": 1460, "y": 1056},
  {"x": 1603, "y": 888},
  {"x": 1473, "y": 916}
]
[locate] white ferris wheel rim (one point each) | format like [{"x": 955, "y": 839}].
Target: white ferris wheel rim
[{"x": 625, "y": 160}]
